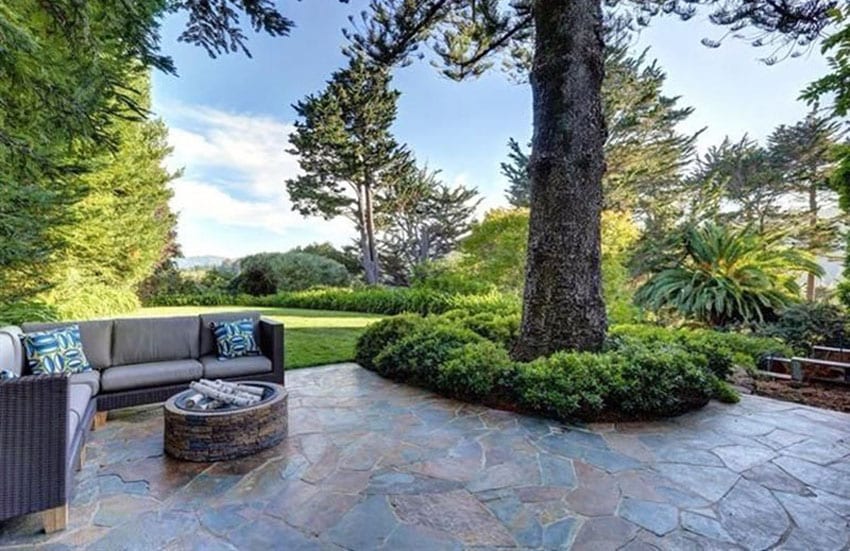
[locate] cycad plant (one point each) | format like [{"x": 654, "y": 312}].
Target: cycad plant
[{"x": 722, "y": 275}]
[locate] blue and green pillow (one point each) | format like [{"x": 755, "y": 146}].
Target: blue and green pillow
[
  {"x": 55, "y": 351},
  {"x": 235, "y": 339},
  {"x": 7, "y": 375}
]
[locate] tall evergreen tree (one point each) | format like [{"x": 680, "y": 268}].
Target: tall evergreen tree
[
  {"x": 123, "y": 225},
  {"x": 421, "y": 220},
  {"x": 644, "y": 152},
  {"x": 804, "y": 156},
  {"x": 347, "y": 152},
  {"x": 562, "y": 305}
]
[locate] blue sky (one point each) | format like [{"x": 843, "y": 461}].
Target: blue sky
[{"x": 229, "y": 119}]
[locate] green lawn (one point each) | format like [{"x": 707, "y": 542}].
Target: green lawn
[{"x": 312, "y": 337}]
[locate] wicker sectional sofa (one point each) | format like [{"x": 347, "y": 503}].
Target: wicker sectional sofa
[{"x": 44, "y": 419}]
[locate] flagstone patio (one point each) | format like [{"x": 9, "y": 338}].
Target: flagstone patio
[{"x": 371, "y": 464}]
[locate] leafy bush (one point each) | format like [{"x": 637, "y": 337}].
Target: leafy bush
[
  {"x": 645, "y": 371},
  {"x": 477, "y": 371},
  {"x": 19, "y": 312},
  {"x": 417, "y": 357},
  {"x": 269, "y": 273},
  {"x": 805, "y": 325},
  {"x": 567, "y": 385},
  {"x": 721, "y": 351},
  {"x": 496, "y": 326},
  {"x": 383, "y": 333}
]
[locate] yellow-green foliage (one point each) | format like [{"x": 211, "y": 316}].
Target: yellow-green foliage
[
  {"x": 119, "y": 229},
  {"x": 495, "y": 252}
]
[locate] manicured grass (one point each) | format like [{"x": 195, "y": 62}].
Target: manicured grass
[{"x": 312, "y": 337}]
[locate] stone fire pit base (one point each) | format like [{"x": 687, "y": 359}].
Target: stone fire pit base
[{"x": 220, "y": 435}]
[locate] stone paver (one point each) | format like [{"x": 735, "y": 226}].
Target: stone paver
[{"x": 370, "y": 464}]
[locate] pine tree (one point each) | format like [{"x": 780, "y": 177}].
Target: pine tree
[
  {"x": 563, "y": 44},
  {"x": 644, "y": 152},
  {"x": 804, "y": 156},
  {"x": 421, "y": 220},
  {"x": 347, "y": 152}
]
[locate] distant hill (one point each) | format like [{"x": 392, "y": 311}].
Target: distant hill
[{"x": 192, "y": 262}]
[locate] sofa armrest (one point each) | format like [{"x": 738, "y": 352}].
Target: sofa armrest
[
  {"x": 33, "y": 444},
  {"x": 11, "y": 349},
  {"x": 271, "y": 343}
]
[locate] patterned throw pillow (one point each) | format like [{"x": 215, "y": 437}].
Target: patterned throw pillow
[
  {"x": 55, "y": 351},
  {"x": 235, "y": 339}
]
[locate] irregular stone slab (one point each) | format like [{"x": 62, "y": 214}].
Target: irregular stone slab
[
  {"x": 772, "y": 477},
  {"x": 559, "y": 535},
  {"x": 118, "y": 509},
  {"x": 418, "y": 538},
  {"x": 752, "y": 516},
  {"x": 712, "y": 483},
  {"x": 688, "y": 457},
  {"x": 266, "y": 533},
  {"x": 366, "y": 526},
  {"x": 779, "y": 439},
  {"x": 519, "y": 519},
  {"x": 834, "y": 482},
  {"x": 151, "y": 530},
  {"x": 658, "y": 518},
  {"x": 741, "y": 458},
  {"x": 556, "y": 471},
  {"x": 705, "y": 526},
  {"x": 393, "y": 482},
  {"x": 457, "y": 513},
  {"x": 817, "y": 451},
  {"x": 506, "y": 475},
  {"x": 603, "y": 534},
  {"x": 817, "y": 527}
]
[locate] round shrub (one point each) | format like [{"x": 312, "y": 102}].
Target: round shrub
[
  {"x": 268, "y": 273},
  {"x": 418, "y": 356},
  {"x": 661, "y": 382},
  {"x": 805, "y": 325},
  {"x": 380, "y": 334},
  {"x": 502, "y": 328},
  {"x": 476, "y": 371},
  {"x": 567, "y": 385}
]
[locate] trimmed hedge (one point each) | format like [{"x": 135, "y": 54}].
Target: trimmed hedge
[
  {"x": 377, "y": 300},
  {"x": 644, "y": 372}
]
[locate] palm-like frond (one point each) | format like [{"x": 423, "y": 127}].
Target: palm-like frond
[{"x": 726, "y": 275}]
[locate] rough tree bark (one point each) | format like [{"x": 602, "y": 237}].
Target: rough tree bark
[
  {"x": 813, "y": 225},
  {"x": 370, "y": 251},
  {"x": 563, "y": 307}
]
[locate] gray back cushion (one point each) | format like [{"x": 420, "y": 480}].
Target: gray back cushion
[
  {"x": 208, "y": 345},
  {"x": 95, "y": 334},
  {"x": 142, "y": 340}
]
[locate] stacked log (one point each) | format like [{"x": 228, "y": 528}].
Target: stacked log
[{"x": 210, "y": 395}]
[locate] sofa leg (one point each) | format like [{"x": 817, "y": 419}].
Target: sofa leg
[
  {"x": 99, "y": 420},
  {"x": 82, "y": 458},
  {"x": 55, "y": 519}
]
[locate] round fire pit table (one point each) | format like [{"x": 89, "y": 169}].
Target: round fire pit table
[{"x": 227, "y": 433}]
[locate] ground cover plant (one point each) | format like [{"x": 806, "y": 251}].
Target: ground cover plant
[{"x": 312, "y": 337}]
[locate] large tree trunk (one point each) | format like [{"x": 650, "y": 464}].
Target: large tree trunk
[
  {"x": 370, "y": 263},
  {"x": 563, "y": 307},
  {"x": 813, "y": 227},
  {"x": 370, "y": 268}
]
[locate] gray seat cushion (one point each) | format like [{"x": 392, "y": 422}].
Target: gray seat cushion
[
  {"x": 146, "y": 340},
  {"x": 235, "y": 367},
  {"x": 142, "y": 375},
  {"x": 78, "y": 400},
  {"x": 90, "y": 378},
  {"x": 95, "y": 334},
  {"x": 208, "y": 345}
]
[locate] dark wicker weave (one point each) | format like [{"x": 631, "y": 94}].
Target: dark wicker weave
[
  {"x": 36, "y": 462},
  {"x": 271, "y": 343},
  {"x": 34, "y": 459}
]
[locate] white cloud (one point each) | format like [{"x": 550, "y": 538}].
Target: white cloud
[{"x": 235, "y": 168}]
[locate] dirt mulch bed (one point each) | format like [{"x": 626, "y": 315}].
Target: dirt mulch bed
[{"x": 822, "y": 395}]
